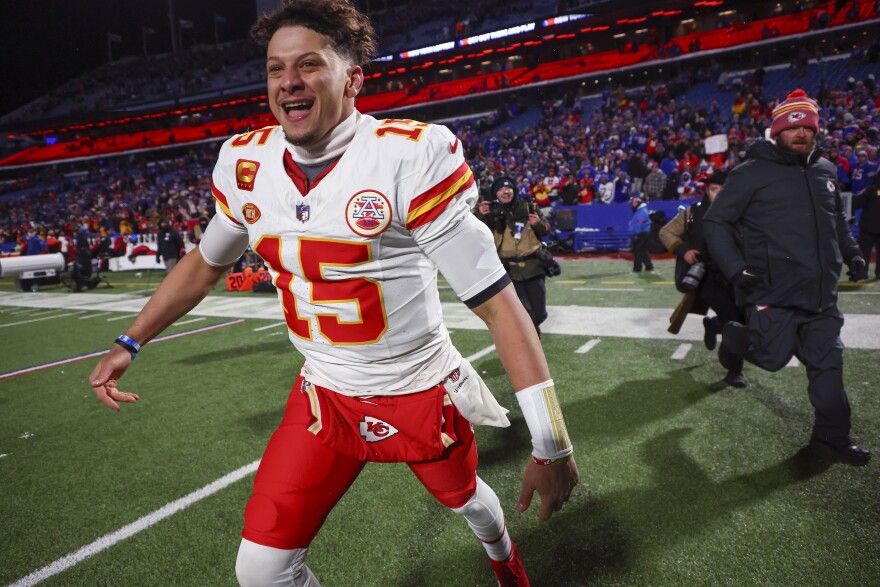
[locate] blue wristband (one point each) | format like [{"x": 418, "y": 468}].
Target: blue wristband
[{"x": 128, "y": 344}]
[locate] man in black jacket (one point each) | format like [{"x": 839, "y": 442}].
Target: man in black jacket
[
  {"x": 168, "y": 245},
  {"x": 869, "y": 225},
  {"x": 684, "y": 237},
  {"x": 778, "y": 232}
]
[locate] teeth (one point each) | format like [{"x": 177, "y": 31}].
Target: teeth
[{"x": 297, "y": 106}]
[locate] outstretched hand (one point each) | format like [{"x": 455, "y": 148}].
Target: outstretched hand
[
  {"x": 554, "y": 483},
  {"x": 104, "y": 377}
]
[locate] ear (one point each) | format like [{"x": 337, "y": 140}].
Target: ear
[{"x": 355, "y": 81}]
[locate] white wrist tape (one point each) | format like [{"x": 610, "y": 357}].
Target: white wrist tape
[{"x": 544, "y": 418}]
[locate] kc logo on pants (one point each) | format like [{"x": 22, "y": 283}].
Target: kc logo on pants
[{"x": 374, "y": 430}]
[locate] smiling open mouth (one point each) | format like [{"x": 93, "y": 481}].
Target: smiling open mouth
[{"x": 300, "y": 106}]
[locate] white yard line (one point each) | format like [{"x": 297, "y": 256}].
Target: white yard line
[
  {"x": 793, "y": 362},
  {"x": 588, "y": 346},
  {"x": 108, "y": 540},
  {"x": 39, "y": 319},
  {"x": 27, "y": 312},
  {"x": 682, "y": 351},
  {"x": 121, "y": 317},
  {"x": 95, "y": 315},
  {"x": 275, "y": 325},
  {"x": 482, "y": 353}
]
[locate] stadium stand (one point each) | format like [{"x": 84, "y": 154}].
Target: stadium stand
[{"x": 588, "y": 116}]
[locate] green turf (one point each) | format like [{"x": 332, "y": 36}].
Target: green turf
[{"x": 684, "y": 481}]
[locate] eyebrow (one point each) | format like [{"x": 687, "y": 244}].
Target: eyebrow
[{"x": 307, "y": 54}]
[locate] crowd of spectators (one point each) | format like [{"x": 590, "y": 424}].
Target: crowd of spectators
[
  {"x": 650, "y": 142},
  {"x": 645, "y": 141},
  {"x": 118, "y": 196}
]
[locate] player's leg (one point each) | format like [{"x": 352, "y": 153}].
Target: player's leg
[
  {"x": 866, "y": 242},
  {"x": 453, "y": 481},
  {"x": 297, "y": 484},
  {"x": 821, "y": 351},
  {"x": 768, "y": 339},
  {"x": 719, "y": 296},
  {"x": 261, "y": 566}
]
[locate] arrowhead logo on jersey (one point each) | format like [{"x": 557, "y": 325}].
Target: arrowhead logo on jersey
[
  {"x": 368, "y": 213},
  {"x": 830, "y": 186},
  {"x": 374, "y": 430},
  {"x": 251, "y": 213},
  {"x": 302, "y": 212},
  {"x": 454, "y": 146},
  {"x": 246, "y": 174}
]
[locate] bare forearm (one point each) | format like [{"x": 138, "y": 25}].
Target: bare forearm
[
  {"x": 515, "y": 339},
  {"x": 188, "y": 284}
]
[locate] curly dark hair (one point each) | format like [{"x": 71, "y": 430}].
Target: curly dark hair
[{"x": 350, "y": 31}]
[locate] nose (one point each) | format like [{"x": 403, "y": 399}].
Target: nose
[{"x": 291, "y": 81}]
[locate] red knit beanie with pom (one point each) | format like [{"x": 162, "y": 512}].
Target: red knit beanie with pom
[{"x": 796, "y": 110}]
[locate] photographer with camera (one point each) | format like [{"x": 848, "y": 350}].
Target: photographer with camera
[
  {"x": 696, "y": 272},
  {"x": 516, "y": 226}
]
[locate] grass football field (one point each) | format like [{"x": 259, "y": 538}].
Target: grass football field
[{"x": 684, "y": 481}]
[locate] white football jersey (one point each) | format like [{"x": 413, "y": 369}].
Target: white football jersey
[{"x": 348, "y": 256}]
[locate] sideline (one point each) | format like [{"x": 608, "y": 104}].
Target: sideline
[{"x": 859, "y": 330}]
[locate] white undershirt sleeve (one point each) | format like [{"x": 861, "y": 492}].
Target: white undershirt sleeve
[
  {"x": 223, "y": 243},
  {"x": 466, "y": 257}
]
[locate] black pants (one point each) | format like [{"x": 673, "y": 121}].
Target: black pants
[
  {"x": 82, "y": 272},
  {"x": 868, "y": 241},
  {"x": 772, "y": 336},
  {"x": 719, "y": 295},
  {"x": 533, "y": 295},
  {"x": 640, "y": 250}
]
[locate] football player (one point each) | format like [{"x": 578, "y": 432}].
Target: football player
[{"x": 354, "y": 216}]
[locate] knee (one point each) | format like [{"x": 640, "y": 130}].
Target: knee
[
  {"x": 483, "y": 502},
  {"x": 258, "y": 565},
  {"x": 773, "y": 364},
  {"x": 456, "y": 498}
]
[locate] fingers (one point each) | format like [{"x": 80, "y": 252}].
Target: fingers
[
  {"x": 548, "y": 506},
  {"x": 554, "y": 484},
  {"x": 525, "y": 498},
  {"x": 108, "y": 395},
  {"x": 105, "y": 375}
]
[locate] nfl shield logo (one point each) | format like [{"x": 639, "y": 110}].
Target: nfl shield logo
[{"x": 302, "y": 212}]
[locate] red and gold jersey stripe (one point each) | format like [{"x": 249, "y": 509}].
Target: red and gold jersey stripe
[
  {"x": 223, "y": 203},
  {"x": 430, "y": 204}
]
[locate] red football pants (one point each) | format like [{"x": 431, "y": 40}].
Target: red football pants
[{"x": 301, "y": 478}]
